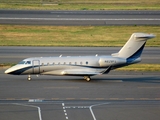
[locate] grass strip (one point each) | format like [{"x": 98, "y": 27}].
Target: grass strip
[
  {"x": 6, "y": 65},
  {"x": 141, "y": 67},
  {"x": 81, "y": 4},
  {"x": 25, "y": 35}
]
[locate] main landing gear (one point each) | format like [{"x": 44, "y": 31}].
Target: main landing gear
[
  {"x": 29, "y": 78},
  {"x": 87, "y": 78}
]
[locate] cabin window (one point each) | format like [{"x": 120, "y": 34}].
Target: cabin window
[
  {"x": 81, "y": 63},
  {"x": 87, "y": 63}
]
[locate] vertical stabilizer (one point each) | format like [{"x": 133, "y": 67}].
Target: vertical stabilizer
[{"x": 134, "y": 46}]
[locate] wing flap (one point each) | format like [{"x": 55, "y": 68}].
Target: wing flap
[
  {"x": 82, "y": 72},
  {"x": 79, "y": 73}
]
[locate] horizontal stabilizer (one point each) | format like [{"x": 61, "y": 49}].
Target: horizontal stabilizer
[{"x": 134, "y": 46}]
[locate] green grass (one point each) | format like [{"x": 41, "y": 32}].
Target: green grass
[
  {"x": 6, "y": 65},
  {"x": 23, "y": 35},
  {"x": 81, "y": 4},
  {"x": 141, "y": 67}
]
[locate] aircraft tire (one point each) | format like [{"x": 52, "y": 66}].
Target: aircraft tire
[
  {"x": 29, "y": 78},
  {"x": 87, "y": 78}
]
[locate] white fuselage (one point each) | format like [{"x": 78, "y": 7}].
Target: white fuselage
[
  {"x": 60, "y": 65},
  {"x": 84, "y": 66}
]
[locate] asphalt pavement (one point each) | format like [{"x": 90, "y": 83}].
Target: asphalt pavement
[
  {"x": 14, "y": 54},
  {"x": 117, "y": 95},
  {"x": 99, "y": 18}
]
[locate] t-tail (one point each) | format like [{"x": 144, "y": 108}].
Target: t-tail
[{"x": 133, "y": 48}]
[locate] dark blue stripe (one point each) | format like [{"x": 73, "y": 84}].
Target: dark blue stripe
[
  {"x": 136, "y": 54},
  {"x": 20, "y": 71}
]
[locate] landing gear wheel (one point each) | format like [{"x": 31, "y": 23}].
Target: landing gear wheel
[
  {"x": 87, "y": 78},
  {"x": 29, "y": 78}
]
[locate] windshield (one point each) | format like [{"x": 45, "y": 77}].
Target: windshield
[
  {"x": 28, "y": 62},
  {"x": 22, "y": 62},
  {"x": 25, "y": 62}
]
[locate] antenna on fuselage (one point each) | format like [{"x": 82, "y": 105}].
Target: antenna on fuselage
[{"x": 60, "y": 56}]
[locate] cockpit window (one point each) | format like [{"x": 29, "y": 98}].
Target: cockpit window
[
  {"x": 22, "y": 62},
  {"x": 28, "y": 62},
  {"x": 25, "y": 62}
]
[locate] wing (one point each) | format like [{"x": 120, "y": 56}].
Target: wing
[
  {"x": 83, "y": 72},
  {"x": 79, "y": 73}
]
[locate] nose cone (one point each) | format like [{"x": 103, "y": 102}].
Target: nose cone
[
  {"x": 15, "y": 70},
  {"x": 11, "y": 70},
  {"x": 8, "y": 71}
]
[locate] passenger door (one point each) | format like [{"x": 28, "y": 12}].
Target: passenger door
[{"x": 36, "y": 66}]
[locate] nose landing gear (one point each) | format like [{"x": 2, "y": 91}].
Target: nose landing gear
[
  {"x": 29, "y": 78},
  {"x": 87, "y": 78}
]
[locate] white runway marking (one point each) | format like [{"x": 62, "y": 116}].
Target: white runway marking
[
  {"x": 85, "y": 107},
  {"x": 90, "y": 108},
  {"x": 85, "y": 19},
  {"x": 75, "y": 107},
  {"x": 64, "y": 110},
  {"x": 39, "y": 109}
]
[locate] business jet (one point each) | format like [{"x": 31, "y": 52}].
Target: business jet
[{"x": 85, "y": 66}]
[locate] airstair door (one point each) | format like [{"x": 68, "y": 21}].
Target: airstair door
[{"x": 36, "y": 66}]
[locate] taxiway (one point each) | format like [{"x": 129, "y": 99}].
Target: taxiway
[
  {"x": 114, "y": 96},
  {"x": 117, "y": 95},
  {"x": 14, "y": 54},
  {"x": 112, "y": 17}
]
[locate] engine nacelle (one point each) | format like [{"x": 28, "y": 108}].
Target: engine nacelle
[{"x": 112, "y": 61}]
